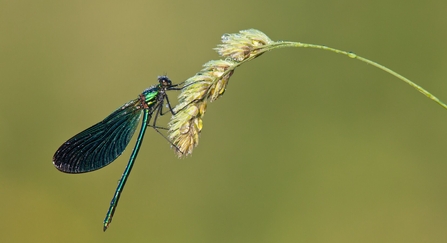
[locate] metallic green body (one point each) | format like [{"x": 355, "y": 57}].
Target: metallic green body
[{"x": 103, "y": 142}]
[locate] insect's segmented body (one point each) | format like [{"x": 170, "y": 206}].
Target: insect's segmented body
[{"x": 103, "y": 142}]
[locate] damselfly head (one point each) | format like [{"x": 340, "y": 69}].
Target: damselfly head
[{"x": 164, "y": 81}]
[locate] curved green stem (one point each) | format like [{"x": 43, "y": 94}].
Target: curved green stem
[{"x": 282, "y": 44}]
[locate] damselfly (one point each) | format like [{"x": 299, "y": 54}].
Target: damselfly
[{"x": 103, "y": 142}]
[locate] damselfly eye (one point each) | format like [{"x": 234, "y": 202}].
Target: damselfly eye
[{"x": 164, "y": 81}]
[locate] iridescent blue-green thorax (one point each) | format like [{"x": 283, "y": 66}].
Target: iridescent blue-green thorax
[
  {"x": 155, "y": 93},
  {"x": 150, "y": 96}
]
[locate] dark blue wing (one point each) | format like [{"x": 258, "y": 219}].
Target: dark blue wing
[{"x": 100, "y": 144}]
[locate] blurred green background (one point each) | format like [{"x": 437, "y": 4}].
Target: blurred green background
[{"x": 305, "y": 145}]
